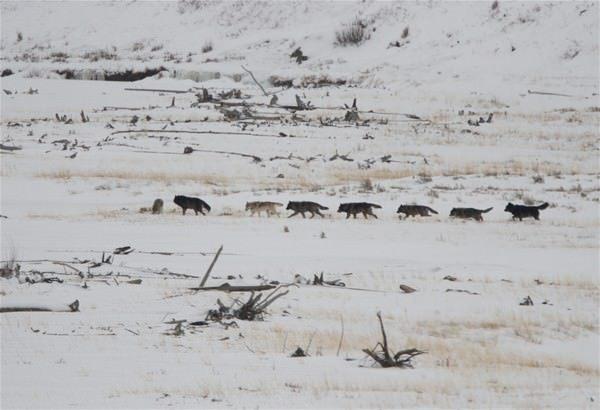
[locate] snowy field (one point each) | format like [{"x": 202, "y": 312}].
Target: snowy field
[{"x": 73, "y": 187}]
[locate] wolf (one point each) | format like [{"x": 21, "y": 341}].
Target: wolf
[
  {"x": 196, "y": 204},
  {"x": 269, "y": 207},
  {"x": 353, "y": 208},
  {"x": 524, "y": 211},
  {"x": 300, "y": 207},
  {"x": 157, "y": 206},
  {"x": 466, "y": 213},
  {"x": 414, "y": 210}
]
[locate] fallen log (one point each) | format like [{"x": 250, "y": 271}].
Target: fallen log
[
  {"x": 254, "y": 79},
  {"x": 157, "y": 90},
  {"x": 212, "y": 264},
  {"x": 73, "y": 307},
  {"x": 255, "y": 158},
  {"x": 10, "y": 148},
  {"x": 226, "y": 287},
  {"x": 194, "y": 132},
  {"x": 547, "y": 93}
]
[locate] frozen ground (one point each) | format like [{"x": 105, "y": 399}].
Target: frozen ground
[{"x": 483, "y": 349}]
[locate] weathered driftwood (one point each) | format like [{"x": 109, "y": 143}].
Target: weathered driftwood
[
  {"x": 402, "y": 358},
  {"x": 254, "y": 79},
  {"x": 210, "y": 268}
]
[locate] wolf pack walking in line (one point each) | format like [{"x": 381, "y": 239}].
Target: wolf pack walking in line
[{"x": 350, "y": 209}]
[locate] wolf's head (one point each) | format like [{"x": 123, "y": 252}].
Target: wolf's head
[
  {"x": 401, "y": 208},
  {"x": 509, "y": 207},
  {"x": 289, "y": 205},
  {"x": 343, "y": 208},
  {"x": 179, "y": 200},
  {"x": 453, "y": 212}
]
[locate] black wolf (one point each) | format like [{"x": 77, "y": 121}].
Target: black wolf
[
  {"x": 414, "y": 210},
  {"x": 524, "y": 211},
  {"x": 300, "y": 207},
  {"x": 354, "y": 208},
  {"x": 196, "y": 204},
  {"x": 467, "y": 213}
]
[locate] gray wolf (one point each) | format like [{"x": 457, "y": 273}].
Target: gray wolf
[
  {"x": 157, "y": 206},
  {"x": 301, "y": 207},
  {"x": 258, "y": 206},
  {"x": 415, "y": 210},
  {"x": 186, "y": 202},
  {"x": 353, "y": 208},
  {"x": 469, "y": 213},
  {"x": 524, "y": 211}
]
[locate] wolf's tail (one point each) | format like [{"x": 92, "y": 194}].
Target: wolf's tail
[
  {"x": 487, "y": 210},
  {"x": 544, "y": 205},
  {"x": 278, "y": 203},
  {"x": 431, "y": 210},
  {"x": 323, "y": 207},
  {"x": 207, "y": 206},
  {"x": 374, "y": 205}
]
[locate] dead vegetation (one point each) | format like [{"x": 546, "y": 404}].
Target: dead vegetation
[
  {"x": 353, "y": 34},
  {"x": 253, "y": 309},
  {"x": 382, "y": 356}
]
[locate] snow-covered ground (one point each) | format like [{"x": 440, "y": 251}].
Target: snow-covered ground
[{"x": 74, "y": 191}]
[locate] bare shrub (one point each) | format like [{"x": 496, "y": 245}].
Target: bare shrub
[
  {"x": 353, "y": 34},
  {"x": 207, "y": 47},
  {"x": 405, "y": 32},
  {"x": 366, "y": 185},
  {"x": 538, "y": 179},
  {"x": 495, "y": 5},
  {"x": 59, "y": 56},
  {"x": 97, "y": 55},
  {"x": 185, "y": 6},
  {"x": 137, "y": 46},
  {"x": 10, "y": 267},
  {"x": 19, "y": 36}
]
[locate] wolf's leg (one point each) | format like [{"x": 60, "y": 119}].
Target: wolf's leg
[
  {"x": 184, "y": 209},
  {"x": 319, "y": 213},
  {"x": 196, "y": 211},
  {"x": 303, "y": 215},
  {"x": 354, "y": 215},
  {"x": 312, "y": 214},
  {"x": 347, "y": 215},
  {"x": 372, "y": 214},
  {"x": 295, "y": 213},
  {"x": 202, "y": 212}
]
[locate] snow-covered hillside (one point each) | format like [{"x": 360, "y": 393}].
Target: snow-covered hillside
[
  {"x": 460, "y": 104},
  {"x": 467, "y": 44}
]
